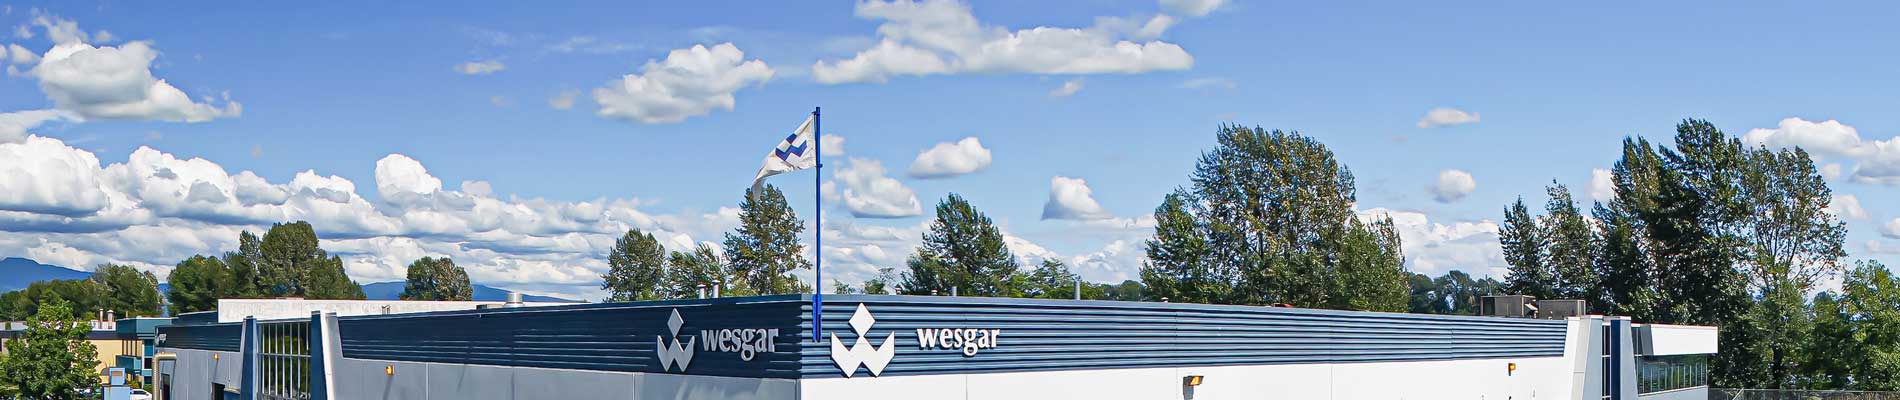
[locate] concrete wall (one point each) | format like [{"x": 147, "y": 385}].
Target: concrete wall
[
  {"x": 234, "y": 310},
  {"x": 1535, "y": 378},
  {"x": 366, "y": 380},
  {"x": 196, "y": 370}
]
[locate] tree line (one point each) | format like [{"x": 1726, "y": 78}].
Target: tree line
[{"x": 1711, "y": 231}]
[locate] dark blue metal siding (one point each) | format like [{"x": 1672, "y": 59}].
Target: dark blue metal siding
[
  {"x": 1060, "y": 334},
  {"x": 218, "y": 337},
  {"x": 602, "y": 337}
]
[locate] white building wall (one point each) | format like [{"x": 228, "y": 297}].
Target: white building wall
[{"x": 1535, "y": 378}]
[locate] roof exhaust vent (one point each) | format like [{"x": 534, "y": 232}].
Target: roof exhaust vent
[{"x": 514, "y": 300}]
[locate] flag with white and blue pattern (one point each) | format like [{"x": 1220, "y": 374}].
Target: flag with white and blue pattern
[{"x": 798, "y": 151}]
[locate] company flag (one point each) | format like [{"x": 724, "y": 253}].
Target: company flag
[{"x": 798, "y": 151}]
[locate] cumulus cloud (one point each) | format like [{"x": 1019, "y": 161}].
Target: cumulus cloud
[
  {"x": 1193, "y": 8},
  {"x": 943, "y": 37},
  {"x": 833, "y": 145},
  {"x": 870, "y": 193},
  {"x": 1891, "y": 229},
  {"x": 1067, "y": 89},
  {"x": 482, "y": 67},
  {"x": 1433, "y": 248},
  {"x": 951, "y": 159},
  {"x": 1832, "y": 143},
  {"x": 1452, "y": 185},
  {"x": 14, "y": 125},
  {"x": 1443, "y": 116},
  {"x": 108, "y": 82},
  {"x": 59, "y": 203},
  {"x": 690, "y": 82},
  {"x": 1071, "y": 198},
  {"x": 1878, "y": 247},
  {"x": 1846, "y": 206}
]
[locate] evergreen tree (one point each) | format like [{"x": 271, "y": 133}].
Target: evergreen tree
[
  {"x": 50, "y": 359},
  {"x": 129, "y": 292},
  {"x": 961, "y": 250},
  {"x": 636, "y": 268},
  {"x": 1176, "y": 267},
  {"x": 437, "y": 279},
  {"x": 197, "y": 283},
  {"x": 291, "y": 264},
  {"x": 243, "y": 264},
  {"x": 1572, "y": 249},
  {"x": 686, "y": 271},
  {"x": 1050, "y": 280},
  {"x": 766, "y": 251},
  {"x": 1523, "y": 242}
]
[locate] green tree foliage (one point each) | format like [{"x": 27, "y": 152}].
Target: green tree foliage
[
  {"x": 1269, "y": 219},
  {"x": 129, "y": 292},
  {"x": 1455, "y": 293},
  {"x": 636, "y": 268},
  {"x": 885, "y": 280},
  {"x": 198, "y": 282},
  {"x": 1177, "y": 267},
  {"x": 1870, "y": 345},
  {"x": 1709, "y": 231},
  {"x": 437, "y": 279},
  {"x": 1053, "y": 280},
  {"x": 244, "y": 268},
  {"x": 1523, "y": 243},
  {"x": 686, "y": 271},
  {"x": 766, "y": 251},
  {"x": 962, "y": 250},
  {"x": 51, "y": 359},
  {"x": 294, "y": 265}
]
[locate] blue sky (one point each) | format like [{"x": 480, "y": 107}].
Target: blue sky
[{"x": 529, "y": 103}]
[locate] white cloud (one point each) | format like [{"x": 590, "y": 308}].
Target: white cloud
[
  {"x": 1846, "y": 206},
  {"x": 1452, "y": 185},
  {"x": 1433, "y": 248},
  {"x": 153, "y": 209},
  {"x": 483, "y": 67},
  {"x": 943, "y": 37},
  {"x": 1891, "y": 229},
  {"x": 499, "y": 101},
  {"x": 870, "y": 193},
  {"x": 1067, "y": 89},
  {"x": 951, "y": 159},
  {"x": 14, "y": 125},
  {"x": 21, "y": 56},
  {"x": 1071, "y": 198},
  {"x": 1826, "y": 140},
  {"x": 565, "y": 100},
  {"x": 117, "y": 83},
  {"x": 1878, "y": 247},
  {"x": 104, "y": 37},
  {"x": 1442, "y": 117},
  {"x": 1193, "y": 8},
  {"x": 1602, "y": 185},
  {"x": 1832, "y": 142},
  {"x": 833, "y": 145},
  {"x": 690, "y": 82},
  {"x": 61, "y": 31}
]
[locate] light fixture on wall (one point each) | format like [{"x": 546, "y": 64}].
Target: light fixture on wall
[
  {"x": 1510, "y": 369},
  {"x": 389, "y": 370},
  {"x": 1191, "y": 380}
]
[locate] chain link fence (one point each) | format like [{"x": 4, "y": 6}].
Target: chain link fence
[{"x": 1778, "y": 394}]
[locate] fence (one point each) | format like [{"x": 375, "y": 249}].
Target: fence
[{"x": 1778, "y": 394}]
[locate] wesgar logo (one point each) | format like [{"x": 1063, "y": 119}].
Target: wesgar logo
[
  {"x": 861, "y": 352},
  {"x": 680, "y": 353}
]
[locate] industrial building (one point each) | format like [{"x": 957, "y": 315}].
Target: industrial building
[{"x": 927, "y": 348}]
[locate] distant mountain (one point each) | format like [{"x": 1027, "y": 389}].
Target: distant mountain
[
  {"x": 393, "y": 291},
  {"x": 17, "y": 273}
]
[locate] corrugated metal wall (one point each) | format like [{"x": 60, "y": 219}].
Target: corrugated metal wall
[
  {"x": 217, "y": 337},
  {"x": 601, "y": 337},
  {"x": 1034, "y": 335},
  {"x": 1060, "y": 334}
]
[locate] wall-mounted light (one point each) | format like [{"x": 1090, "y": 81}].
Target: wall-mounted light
[
  {"x": 1510, "y": 368},
  {"x": 1191, "y": 380},
  {"x": 389, "y": 370},
  {"x": 214, "y": 356}
]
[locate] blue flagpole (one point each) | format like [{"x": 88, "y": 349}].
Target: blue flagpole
[{"x": 818, "y": 199}]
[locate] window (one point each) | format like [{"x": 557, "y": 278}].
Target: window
[{"x": 1664, "y": 373}]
